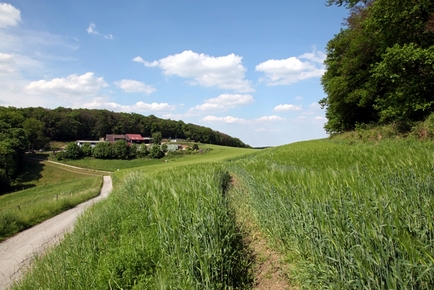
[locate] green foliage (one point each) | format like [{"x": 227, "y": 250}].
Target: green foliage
[
  {"x": 86, "y": 149},
  {"x": 120, "y": 150},
  {"x": 13, "y": 144},
  {"x": 155, "y": 152},
  {"x": 103, "y": 150},
  {"x": 379, "y": 68},
  {"x": 142, "y": 151},
  {"x": 73, "y": 151},
  {"x": 156, "y": 138},
  {"x": 195, "y": 146},
  {"x": 34, "y": 130},
  {"x": 406, "y": 74}
]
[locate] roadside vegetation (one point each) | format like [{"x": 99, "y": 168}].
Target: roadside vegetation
[{"x": 23, "y": 209}]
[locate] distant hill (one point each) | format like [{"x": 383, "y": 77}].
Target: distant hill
[{"x": 65, "y": 124}]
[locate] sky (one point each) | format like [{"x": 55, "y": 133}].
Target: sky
[{"x": 251, "y": 69}]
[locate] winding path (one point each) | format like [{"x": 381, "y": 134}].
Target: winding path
[{"x": 17, "y": 252}]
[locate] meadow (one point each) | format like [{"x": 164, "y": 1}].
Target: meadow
[
  {"x": 47, "y": 191},
  {"x": 345, "y": 216}
]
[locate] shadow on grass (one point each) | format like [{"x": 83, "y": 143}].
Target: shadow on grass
[{"x": 30, "y": 172}]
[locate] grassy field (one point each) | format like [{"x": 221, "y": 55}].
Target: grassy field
[
  {"x": 346, "y": 216},
  {"x": 216, "y": 153},
  {"x": 349, "y": 217},
  {"x": 51, "y": 189}
]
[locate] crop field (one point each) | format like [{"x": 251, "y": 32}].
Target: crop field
[
  {"x": 171, "y": 230},
  {"x": 346, "y": 216},
  {"x": 51, "y": 192},
  {"x": 350, "y": 217}
]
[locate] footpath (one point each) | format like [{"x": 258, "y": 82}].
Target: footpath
[{"x": 17, "y": 252}]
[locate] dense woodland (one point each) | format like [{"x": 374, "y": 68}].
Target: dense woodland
[
  {"x": 380, "y": 67},
  {"x": 23, "y": 129}
]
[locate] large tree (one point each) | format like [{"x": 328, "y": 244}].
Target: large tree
[{"x": 379, "y": 67}]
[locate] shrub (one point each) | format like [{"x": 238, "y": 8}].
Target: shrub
[{"x": 73, "y": 151}]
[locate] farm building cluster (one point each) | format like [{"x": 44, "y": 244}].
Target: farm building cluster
[{"x": 130, "y": 139}]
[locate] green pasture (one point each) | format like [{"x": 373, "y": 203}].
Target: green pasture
[{"x": 47, "y": 191}]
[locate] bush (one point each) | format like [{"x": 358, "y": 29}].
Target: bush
[
  {"x": 155, "y": 152},
  {"x": 73, "y": 151},
  {"x": 86, "y": 149},
  {"x": 103, "y": 150}
]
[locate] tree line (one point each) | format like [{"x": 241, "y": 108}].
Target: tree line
[
  {"x": 380, "y": 66},
  {"x": 23, "y": 129}
]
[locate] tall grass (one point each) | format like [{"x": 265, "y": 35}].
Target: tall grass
[
  {"x": 356, "y": 217},
  {"x": 164, "y": 230}
]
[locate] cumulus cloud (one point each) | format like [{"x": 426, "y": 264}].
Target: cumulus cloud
[
  {"x": 101, "y": 103},
  {"x": 225, "y": 72},
  {"x": 132, "y": 86},
  {"x": 293, "y": 69},
  {"x": 73, "y": 85},
  {"x": 287, "y": 107},
  {"x": 92, "y": 30},
  {"x": 9, "y": 15},
  {"x": 223, "y": 102}
]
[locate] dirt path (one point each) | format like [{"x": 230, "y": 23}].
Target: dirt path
[{"x": 17, "y": 252}]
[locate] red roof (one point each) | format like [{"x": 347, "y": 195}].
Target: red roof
[{"x": 135, "y": 137}]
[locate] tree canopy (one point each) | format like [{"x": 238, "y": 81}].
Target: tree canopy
[{"x": 380, "y": 66}]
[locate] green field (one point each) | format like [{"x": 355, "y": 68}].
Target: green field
[
  {"x": 47, "y": 190},
  {"x": 345, "y": 216}
]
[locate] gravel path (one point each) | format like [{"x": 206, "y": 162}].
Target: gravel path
[{"x": 17, "y": 252}]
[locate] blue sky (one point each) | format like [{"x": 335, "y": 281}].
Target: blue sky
[{"x": 250, "y": 69}]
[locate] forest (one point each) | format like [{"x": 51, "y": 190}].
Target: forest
[
  {"x": 380, "y": 66},
  {"x": 24, "y": 129}
]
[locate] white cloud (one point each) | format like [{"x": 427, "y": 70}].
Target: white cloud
[
  {"x": 224, "y": 72},
  {"x": 7, "y": 65},
  {"x": 101, "y": 103},
  {"x": 73, "y": 85},
  {"x": 227, "y": 119},
  {"x": 232, "y": 120},
  {"x": 223, "y": 102},
  {"x": 293, "y": 69},
  {"x": 92, "y": 30},
  {"x": 132, "y": 86},
  {"x": 145, "y": 63},
  {"x": 287, "y": 107},
  {"x": 9, "y": 15},
  {"x": 269, "y": 119}
]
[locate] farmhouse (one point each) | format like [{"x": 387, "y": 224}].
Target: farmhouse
[{"x": 130, "y": 138}]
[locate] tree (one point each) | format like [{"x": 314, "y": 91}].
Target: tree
[
  {"x": 156, "y": 138},
  {"x": 379, "y": 68},
  {"x": 155, "y": 152},
  {"x": 121, "y": 150},
  {"x": 73, "y": 151},
  {"x": 86, "y": 149},
  {"x": 142, "y": 151},
  {"x": 103, "y": 150},
  {"x": 35, "y": 133}
]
